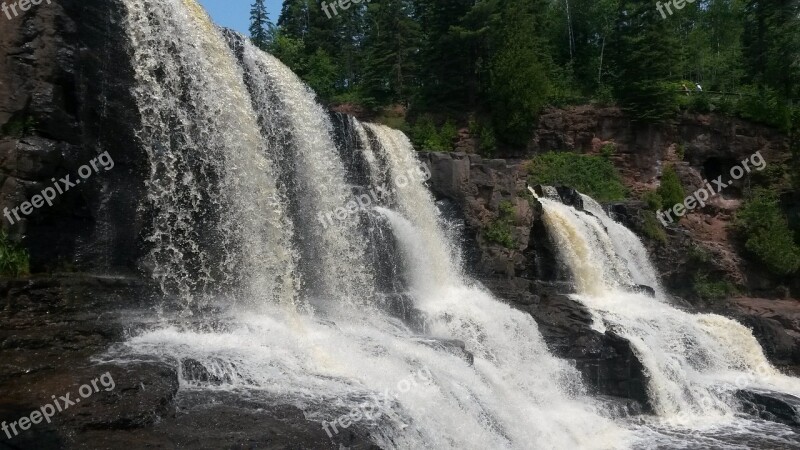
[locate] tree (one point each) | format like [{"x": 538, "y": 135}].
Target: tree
[
  {"x": 261, "y": 29},
  {"x": 519, "y": 85},
  {"x": 772, "y": 44},
  {"x": 390, "y": 45},
  {"x": 646, "y": 59}
]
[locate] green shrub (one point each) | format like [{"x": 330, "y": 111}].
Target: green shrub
[
  {"x": 604, "y": 96},
  {"x": 592, "y": 175},
  {"x": 487, "y": 140},
  {"x": 699, "y": 102},
  {"x": 671, "y": 190},
  {"x": 14, "y": 260},
  {"x": 712, "y": 290},
  {"x": 767, "y": 232},
  {"x": 680, "y": 151},
  {"x": 652, "y": 228},
  {"x": 700, "y": 256},
  {"x": 766, "y": 106},
  {"x": 653, "y": 200},
  {"x": 428, "y": 138},
  {"x": 608, "y": 150},
  {"x": 499, "y": 230}
]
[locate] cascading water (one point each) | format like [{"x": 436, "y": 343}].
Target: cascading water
[
  {"x": 218, "y": 220},
  {"x": 337, "y": 253},
  {"x": 694, "y": 362},
  {"x": 627, "y": 245},
  {"x": 198, "y": 121},
  {"x": 244, "y": 161}
]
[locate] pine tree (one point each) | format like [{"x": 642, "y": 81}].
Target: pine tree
[
  {"x": 772, "y": 44},
  {"x": 261, "y": 29},
  {"x": 390, "y": 46},
  {"x": 645, "y": 58},
  {"x": 520, "y": 83}
]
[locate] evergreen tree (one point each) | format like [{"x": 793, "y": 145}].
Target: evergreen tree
[
  {"x": 646, "y": 59},
  {"x": 772, "y": 44},
  {"x": 391, "y": 43},
  {"x": 520, "y": 83},
  {"x": 261, "y": 29},
  {"x": 293, "y": 21}
]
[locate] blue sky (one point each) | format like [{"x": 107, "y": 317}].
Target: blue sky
[{"x": 236, "y": 13}]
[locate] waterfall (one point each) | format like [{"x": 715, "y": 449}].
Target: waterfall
[
  {"x": 244, "y": 162},
  {"x": 219, "y": 221},
  {"x": 415, "y": 202},
  {"x": 248, "y": 181},
  {"x": 694, "y": 362},
  {"x": 333, "y": 247},
  {"x": 627, "y": 245}
]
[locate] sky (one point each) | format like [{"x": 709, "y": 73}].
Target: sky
[{"x": 236, "y": 13}]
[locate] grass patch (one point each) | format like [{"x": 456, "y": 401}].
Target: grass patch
[
  {"x": 712, "y": 290},
  {"x": 592, "y": 175},
  {"x": 14, "y": 260}
]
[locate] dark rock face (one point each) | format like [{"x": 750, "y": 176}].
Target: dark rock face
[
  {"x": 709, "y": 141},
  {"x": 529, "y": 276},
  {"x": 54, "y": 327},
  {"x": 65, "y": 99},
  {"x": 772, "y": 406}
]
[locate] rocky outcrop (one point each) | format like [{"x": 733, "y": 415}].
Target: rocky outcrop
[
  {"x": 65, "y": 99},
  {"x": 55, "y": 334},
  {"x": 772, "y": 406},
  {"x": 527, "y": 274}
]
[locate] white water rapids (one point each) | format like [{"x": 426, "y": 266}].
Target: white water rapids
[
  {"x": 243, "y": 159},
  {"x": 695, "y": 362}
]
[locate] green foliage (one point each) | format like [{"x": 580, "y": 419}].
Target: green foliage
[
  {"x": 14, "y": 260},
  {"x": 653, "y": 200},
  {"x": 671, "y": 191},
  {"x": 608, "y": 150},
  {"x": 764, "y": 105},
  {"x": 680, "y": 151},
  {"x": 652, "y": 228},
  {"x": 290, "y": 51},
  {"x": 712, "y": 290},
  {"x": 427, "y": 137},
  {"x": 700, "y": 256},
  {"x": 519, "y": 84},
  {"x": 321, "y": 72},
  {"x": 500, "y": 230},
  {"x": 508, "y": 59},
  {"x": 261, "y": 29},
  {"x": 767, "y": 232},
  {"x": 592, "y": 175},
  {"x": 487, "y": 141},
  {"x": 699, "y": 102},
  {"x": 644, "y": 58},
  {"x": 19, "y": 126}
]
